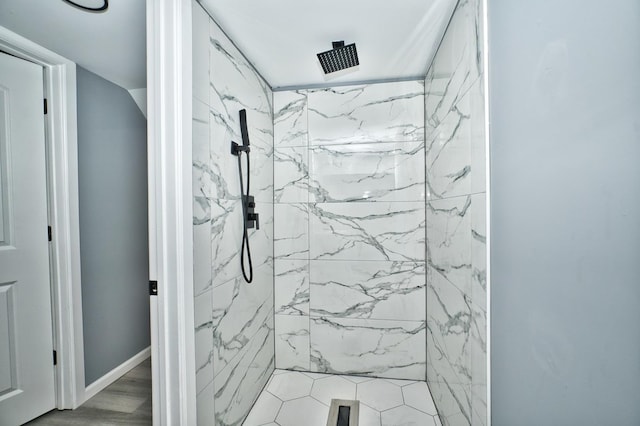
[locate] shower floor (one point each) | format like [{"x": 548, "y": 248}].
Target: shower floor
[{"x": 294, "y": 398}]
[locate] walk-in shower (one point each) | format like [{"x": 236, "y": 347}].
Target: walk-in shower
[{"x": 368, "y": 264}]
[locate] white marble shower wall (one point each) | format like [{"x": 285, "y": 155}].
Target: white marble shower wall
[
  {"x": 234, "y": 320},
  {"x": 350, "y": 230},
  {"x": 456, "y": 234}
]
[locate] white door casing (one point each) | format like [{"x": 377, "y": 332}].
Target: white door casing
[{"x": 26, "y": 366}]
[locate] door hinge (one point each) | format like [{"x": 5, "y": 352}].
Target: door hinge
[
  {"x": 46, "y": 109},
  {"x": 55, "y": 357},
  {"x": 49, "y": 233},
  {"x": 153, "y": 288}
]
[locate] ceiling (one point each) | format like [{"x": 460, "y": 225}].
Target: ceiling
[
  {"x": 280, "y": 37},
  {"x": 111, "y": 44},
  {"x": 395, "y": 39}
]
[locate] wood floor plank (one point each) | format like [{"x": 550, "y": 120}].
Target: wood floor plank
[{"x": 126, "y": 402}]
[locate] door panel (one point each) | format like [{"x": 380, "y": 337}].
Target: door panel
[{"x": 26, "y": 365}]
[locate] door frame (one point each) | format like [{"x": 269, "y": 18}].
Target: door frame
[
  {"x": 62, "y": 186},
  {"x": 169, "y": 121}
]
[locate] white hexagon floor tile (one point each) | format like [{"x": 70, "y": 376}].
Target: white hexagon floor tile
[
  {"x": 380, "y": 394},
  {"x": 368, "y": 416},
  {"x": 333, "y": 387},
  {"x": 307, "y": 397},
  {"x": 417, "y": 395},
  {"x": 264, "y": 410},
  {"x": 406, "y": 416},
  {"x": 290, "y": 385},
  {"x": 303, "y": 411}
]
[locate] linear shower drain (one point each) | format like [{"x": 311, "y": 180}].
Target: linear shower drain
[{"x": 343, "y": 412}]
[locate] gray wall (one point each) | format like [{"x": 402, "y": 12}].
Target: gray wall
[
  {"x": 565, "y": 202},
  {"x": 112, "y": 175}
]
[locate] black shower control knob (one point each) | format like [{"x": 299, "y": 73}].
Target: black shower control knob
[{"x": 251, "y": 204}]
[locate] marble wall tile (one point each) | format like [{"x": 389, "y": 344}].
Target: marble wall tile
[
  {"x": 449, "y": 324},
  {"x": 367, "y": 172},
  {"x": 372, "y": 231},
  {"x": 292, "y": 342},
  {"x": 479, "y": 249},
  {"x": 291, "y": 287},
  {"x": 368, "y": 289},
  {"x": 203, "y": 320},
  {"x": 479, "y": 405},
  {"x": 291, "y": 179},
  {"x": 386, "y": 112},
  {"x": 201, "y": 156},
  {"x": 475, "y": 110},
  {"x": 448, "y": 157},
  {"x": 453, "y": 403},
  {"x": 234, "y": 85},
  {"x": 239, "y": 310},
  {"x": 290, "y": 118},
  {"x": 236, "y": 324},
  {"x": 457, "y": 65},
  {"x": 456, "y": 234},
  {"x": 226, "y": 238},
  {"x": 379, "y": 348},
  {"x": 223, "y": 166},
  {"x": 200, "y": 30},
  {"x": 456, "y": 149},
  {"x": 201, "y": 245},
  {"x": 240, "y": 383},
  {"x": 478, "y": 345},
  {"x": 449, "y": 240},
  {"x": 205, "y": 412},
  {"x": 291, "y": 231}
]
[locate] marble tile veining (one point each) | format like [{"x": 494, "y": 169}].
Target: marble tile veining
[
  {"x": 367, "y": 172},
  {"x": 239, "y": 310},
  {"x": 387, "y": 112},
  {"x": 292, "y": 342},
  {"x": 290, "y": 118},
  {"x": 379, "y": 348},
  {"x": 368, "y": 289},
  {"x": 291, "y": 231},
  {"x": 292, "y": 287},
  {"x": 372, "y": 231},
  {"x": 292, "y": 178}
]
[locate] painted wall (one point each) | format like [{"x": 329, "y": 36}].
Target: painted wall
[
  {"x": 234, "y": 320},
  {"x": 565, "y": 203},
  {"x": 350, "y": 229},
  {"x": 114, "y": 254},
  {"x": 456, "y": 231}
]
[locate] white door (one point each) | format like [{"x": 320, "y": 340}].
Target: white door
[{"x": 26, "y": 364}]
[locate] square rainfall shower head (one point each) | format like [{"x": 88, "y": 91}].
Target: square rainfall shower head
[{"x": 339, "y": 58}]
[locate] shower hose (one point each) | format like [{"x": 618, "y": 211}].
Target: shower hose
[{"x": 245, "y": 233}]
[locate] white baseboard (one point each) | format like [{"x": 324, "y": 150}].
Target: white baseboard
[{"x": 113, "y": 375}]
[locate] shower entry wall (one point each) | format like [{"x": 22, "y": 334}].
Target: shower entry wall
[{"x": 372, "y": 205}]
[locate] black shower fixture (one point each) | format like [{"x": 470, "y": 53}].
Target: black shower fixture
[
  {"x": 339, "y": 58},
  {"x": 251, "y": 219}
]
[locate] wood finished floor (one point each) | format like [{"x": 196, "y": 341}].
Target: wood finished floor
[{"x": 125, "y": 402}]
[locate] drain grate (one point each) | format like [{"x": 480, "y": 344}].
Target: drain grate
[{"x": 343, "y": 412}]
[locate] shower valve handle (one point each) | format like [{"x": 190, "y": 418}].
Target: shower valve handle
[{"x": 253, "y": 218}]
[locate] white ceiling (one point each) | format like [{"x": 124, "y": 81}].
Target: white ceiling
[
  {"x": 111, "y": 44},
  {"x": 395, "y": 39}
]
